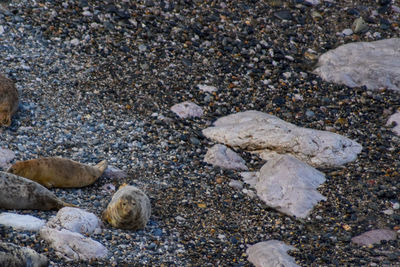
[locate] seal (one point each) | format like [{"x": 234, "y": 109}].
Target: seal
[
  {"x": 58, "y": 172},
  {"x": 129, "y": 208},
  {"x": 13, "y": 255},
  {"x": 23, "y": 194},
  {"x": 8, "y": 100}
]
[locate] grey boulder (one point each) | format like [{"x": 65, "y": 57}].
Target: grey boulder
[
  {"x": 221, "y": 156},
  {"x": 371, "y": 64},
  {"x": 289, "y": 186},
  {"x": 272, "y": 253}
]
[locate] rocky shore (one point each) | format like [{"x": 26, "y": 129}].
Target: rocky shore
[{"x": 97, "y": 81}]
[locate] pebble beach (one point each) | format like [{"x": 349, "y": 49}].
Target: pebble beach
[{"x": 97, "y": 80}]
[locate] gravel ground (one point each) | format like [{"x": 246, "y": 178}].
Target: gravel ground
[{"x": 97, "y": 80}]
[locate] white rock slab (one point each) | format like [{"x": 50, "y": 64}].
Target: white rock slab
[
  {"x": 260, "y": 132},
  {"x": 6, "y": 156},
  {"x": 21, "y": 222},
  {"x": 207, "y": 88},
  {"x": 73, "y": 246},
  {"x": 289, "y": 186},
  {"x": 270, "y": 254},
  {"x": 221, "y": 156},
  {"x": 76, "y": 220},
  {"x": 187, "y": 109},
  {"x": 373, "y": 64},
  {"x": 395, "y": 118},
  {"x": 13, "y": 255}
]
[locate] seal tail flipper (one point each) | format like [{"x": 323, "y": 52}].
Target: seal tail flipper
[
  {"x": 65, "y": 204},
  {"x": 102, "y": 166}
]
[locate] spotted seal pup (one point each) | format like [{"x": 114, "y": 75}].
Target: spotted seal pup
[
  {"x": 129, "y": 208},
  {"x": 19, "y": 193},
  {"x": 58, "y": 172}
]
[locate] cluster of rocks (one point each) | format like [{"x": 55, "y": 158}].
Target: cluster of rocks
[{"x": 288, "y": 182}]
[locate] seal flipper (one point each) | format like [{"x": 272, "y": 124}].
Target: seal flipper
[{"x": 102, "y": 166}]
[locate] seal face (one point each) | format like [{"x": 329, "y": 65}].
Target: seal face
[
  {"x": 129, "y": 208},
  {"x": 20, "y": 193},
  {"x": 58, "y": 172},
  {"x": 8, "y": 100}
]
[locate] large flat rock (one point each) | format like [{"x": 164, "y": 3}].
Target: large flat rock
[
  {"x": 371, "y": 64},
  {"x": 260, "y": 132},
  {"x": 289, "y": 186}
]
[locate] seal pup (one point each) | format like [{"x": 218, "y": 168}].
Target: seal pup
[
  {"x": 129, "y": 208},
  {"x": 58, "y": 172},
  {"x": 8, "y": 100},
  {"x": 23, "y": 194}
]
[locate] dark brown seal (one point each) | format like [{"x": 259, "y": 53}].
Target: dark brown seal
[{"x": 8, "y": 100}]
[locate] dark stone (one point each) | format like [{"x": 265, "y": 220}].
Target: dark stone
[{"x": 283, "y": 15}]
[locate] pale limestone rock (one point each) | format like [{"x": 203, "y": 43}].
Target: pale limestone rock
[
  {"x": 221, "y": 156},
  {"x": 289, "y": 186},
  {"x": 260, "y": 132},
  {"x": 272, "y": 253},
  {"x": 75, "y": 220},
  {"x": 207, "y": 88},
  {"x": 373, "y": 64},
  {"x": 250, "y": 178},
  {"x": 21, "y": 222},
  {"x": 187, "y": 109},
  {"x": 6, "y": 156},
  {"x": 73, "y": 246},
  {"x": 395, "y": 118},
  {"x": 374, "y": 237},
  {"x": 13, "y": 255}
]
